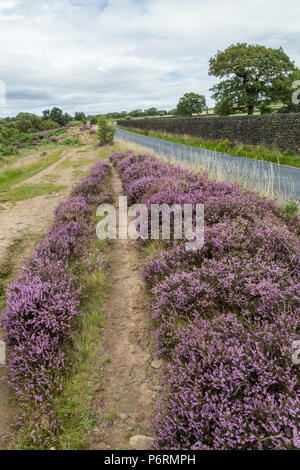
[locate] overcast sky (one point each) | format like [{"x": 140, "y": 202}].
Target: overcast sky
[{"x": 112, "y": 55}]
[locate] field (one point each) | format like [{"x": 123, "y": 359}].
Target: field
[{"x": 129, "y": 344}]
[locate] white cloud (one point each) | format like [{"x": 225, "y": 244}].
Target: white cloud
[
  {"x": 7, "y": 4},
  {"x": 99, "y": 55}
]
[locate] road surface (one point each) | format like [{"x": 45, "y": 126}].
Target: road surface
[{"x": 280, "y": 181}]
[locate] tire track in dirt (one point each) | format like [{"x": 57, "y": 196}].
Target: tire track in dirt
[
  {"x": 45, "y": 171},
  {"x": 129, "y": 383}
]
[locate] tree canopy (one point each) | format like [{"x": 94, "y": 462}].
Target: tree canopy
[
  {"x": 57, "y": 115},
  {"x": 253, "y": 75},
  {"x": 106, "y": 132},
  {"x": 191, "y": 103}
]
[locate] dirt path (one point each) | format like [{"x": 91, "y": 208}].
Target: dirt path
[
  {"x": 46, "y": 171},
  {"x": 35, "y": 215},
  {"x": 129, "y": 382}
]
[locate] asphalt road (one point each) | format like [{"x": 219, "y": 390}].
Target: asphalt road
[{"x": 280, "y": 181}]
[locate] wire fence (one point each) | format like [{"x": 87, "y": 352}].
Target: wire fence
[{"x": 269, "y": 179}]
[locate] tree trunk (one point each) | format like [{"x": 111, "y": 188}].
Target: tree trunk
[{"x": 250, "y": 110}]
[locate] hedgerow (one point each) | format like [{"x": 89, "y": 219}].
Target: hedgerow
[{"x": 226, "y": 315}]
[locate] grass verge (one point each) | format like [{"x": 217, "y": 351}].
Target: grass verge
[
  {"x": 288, "y": 157},
  {"x": 29, "y": 191},
  {"x": 14, "y": 176}
]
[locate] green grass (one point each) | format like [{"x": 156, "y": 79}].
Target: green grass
[
  {"x": 70, "y": 142},
  {"x": 80, "y": 173},
  {"x": 112, "y": 416},
  {"x": 77, "y": 163},
  {"x": 14, "y": 176},
  {"x": 75, "y": 123},
  {"x": 29, "y": 191},
  {"x": 75, "y": 405},
  {"x": 288, "y": 157},
  {"x": 106, "y": 362}
]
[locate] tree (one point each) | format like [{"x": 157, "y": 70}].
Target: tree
[
  {"x": 191, "y": 103},
  {"x": 93, "y": 120},
  {"x": 136, "y": 113},
  {"x": 46, "y": 114},
  {"x": 106, "y": 132},
  {"x": 67, "y": 118},
  {"x": 80, "y": 117},
  {"x": 56, "y": 115},
  {"x": 24, "y": 125},
  {"x": 151, "y": 112},
  {"x": 253, "y": 75},
  {"x": 223, "y": 107}
]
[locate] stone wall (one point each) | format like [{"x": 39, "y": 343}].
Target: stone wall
[{"x": 279, "y": 130}]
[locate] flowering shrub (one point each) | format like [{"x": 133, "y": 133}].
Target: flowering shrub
[
  {"x": 226, "y": 315},
  {"x": 43, "y": 302},
  {"x": 229, "y": 388},
  {"x": 48, "y": 135}
]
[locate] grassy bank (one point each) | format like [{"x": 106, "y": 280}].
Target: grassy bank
[
  {"x": 13, "y": 176},
  {"x": 288, "y": 157},
  {"x": 29, "y": 191}
]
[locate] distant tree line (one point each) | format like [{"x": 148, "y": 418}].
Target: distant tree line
[
  {"x": 137, "y": 113},
  {"x": 24, "y": 124}
]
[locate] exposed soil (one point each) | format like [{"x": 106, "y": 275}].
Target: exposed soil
[
  {"x": 129, "y": 383},
  {"x": 35, "y": 215}
]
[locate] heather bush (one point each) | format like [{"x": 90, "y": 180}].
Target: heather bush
[
  {"x": 43, "y": 303},
  {"x": 244, "y": 238},
  {"x": 225, "y": 315},
  {"x": 89, "y": 186},
  {"x": 256, "y": 291},
  {"x": 229, "y": 388},
  {"x": 38, "y": 321},
  {"x": 74, "y": 209}
]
